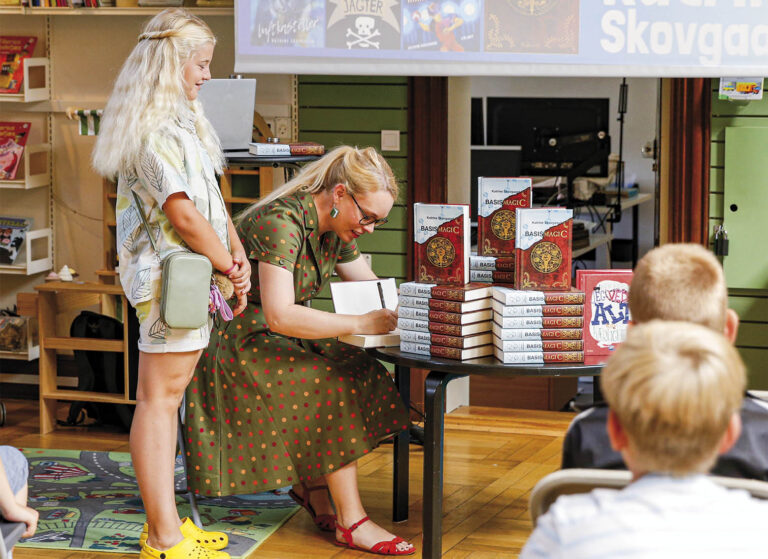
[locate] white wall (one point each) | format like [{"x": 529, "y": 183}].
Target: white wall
[{"x": 639, "y": 126}]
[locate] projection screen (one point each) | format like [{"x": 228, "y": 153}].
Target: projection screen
[{"x": 503, "y": 37}]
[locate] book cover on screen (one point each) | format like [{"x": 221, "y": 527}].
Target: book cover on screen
[
  {"x": 497, "y": 200},
  {"x": 13, "y": 138},
  {"x": 508, "y": 296},
  {"x": 367, "y": 25},
  {"x": 532, "y": 26},
  {"x": 445, "y": 26},
  {"x": 13, "y": 51},
  {"x": 543, "y": 249},
  {"x": 288, "y": 23},
  {"x": 606, "y": 312},
  {"x": 441, "y": 243},
  {"x": 13, "y": 231}
]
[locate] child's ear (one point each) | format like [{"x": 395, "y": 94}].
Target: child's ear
[
  {"x": 616, "y": 433},
  {"x": 731, "y": 434},
  {"x": 731, "y": 329}
]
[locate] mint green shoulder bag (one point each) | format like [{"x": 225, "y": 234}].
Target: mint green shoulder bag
[{"x": 186, "y": 280}]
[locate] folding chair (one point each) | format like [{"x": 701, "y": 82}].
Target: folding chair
[{"x": 10, "y": 532}]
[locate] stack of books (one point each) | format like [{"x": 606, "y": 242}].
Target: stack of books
[
  {"x": 450, "y": 321},
  {"x": 492, "y": 269},
  {"x": 538, "y": 326}
]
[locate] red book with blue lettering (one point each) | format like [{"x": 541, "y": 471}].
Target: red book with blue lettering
[
  {"x": 606, "y": 309},
  {"x": 441, "y": 243}
]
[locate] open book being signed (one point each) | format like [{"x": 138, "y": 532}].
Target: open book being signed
[{"x": 360, "y": 297}]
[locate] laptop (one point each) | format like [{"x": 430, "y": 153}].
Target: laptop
[{"x": 229, "y": 105}]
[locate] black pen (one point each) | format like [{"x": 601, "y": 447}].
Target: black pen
[{"x": 381, "y": 295}]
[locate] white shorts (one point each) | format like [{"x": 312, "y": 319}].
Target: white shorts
[{"x": 155, "y": 336}]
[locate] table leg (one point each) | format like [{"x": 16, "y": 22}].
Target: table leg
[
  {"x": 434, "y": 407},
  {"x": 402, "y": 441}
]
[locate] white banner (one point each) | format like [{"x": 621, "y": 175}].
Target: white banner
[{"x": 696, "y": 38}]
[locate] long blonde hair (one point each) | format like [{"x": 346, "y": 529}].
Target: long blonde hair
[
  {"x": 361, "y": 170},
  {"x": 149, "y": 93}
]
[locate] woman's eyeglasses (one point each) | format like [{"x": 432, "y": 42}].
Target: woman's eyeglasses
[{"x": 367, "y": 219}]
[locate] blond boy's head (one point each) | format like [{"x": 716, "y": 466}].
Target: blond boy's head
[
  {"x": 675, "y": 389},
  {"x": 679, "y": 282}
]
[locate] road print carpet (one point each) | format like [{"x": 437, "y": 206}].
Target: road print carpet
[{"x": 90, "y": 501}]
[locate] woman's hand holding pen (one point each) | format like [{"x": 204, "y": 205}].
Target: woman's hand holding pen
[{"x": 379, "y": 321}]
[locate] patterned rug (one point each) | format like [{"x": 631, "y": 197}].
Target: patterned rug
[{"x": 90, "y": 501}]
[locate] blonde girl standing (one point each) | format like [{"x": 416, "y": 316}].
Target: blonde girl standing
[{"x": 156, "y": 142}]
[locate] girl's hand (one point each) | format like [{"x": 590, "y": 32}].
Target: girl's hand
[
  {"x": 379, "y": 321},
  {"x": 21, "y": 513},
  {"x": 241, "y": 276},
  {"x": 242, "y": 302}
]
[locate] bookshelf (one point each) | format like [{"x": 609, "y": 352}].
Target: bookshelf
[{"x": 30, "y": 194}]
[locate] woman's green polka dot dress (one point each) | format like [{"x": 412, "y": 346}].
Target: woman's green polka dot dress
[{"x": 266, "y": 411}]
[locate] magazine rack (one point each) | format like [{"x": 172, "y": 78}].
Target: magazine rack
[
  {"x": 34, "y": 87},
  {"x": 33, "y": 170}
]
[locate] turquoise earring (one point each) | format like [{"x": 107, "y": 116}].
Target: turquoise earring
[{"x": 334, "y": 211}]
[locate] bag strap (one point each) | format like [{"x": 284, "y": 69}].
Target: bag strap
[{"x": 140, "y": 207}]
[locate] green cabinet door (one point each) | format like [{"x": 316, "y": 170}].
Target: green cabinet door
[{"x": 745, "y": 211}]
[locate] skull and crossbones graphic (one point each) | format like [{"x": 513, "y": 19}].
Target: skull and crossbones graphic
[{"x": 365, "y": 32}]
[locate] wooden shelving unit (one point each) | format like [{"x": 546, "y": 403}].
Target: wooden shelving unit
[
  {"x": 35, "y": 84},
  {"x": 55, "y": 297},
  {"x": 34, "y": 171}
]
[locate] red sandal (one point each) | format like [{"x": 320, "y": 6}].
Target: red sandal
[
  {"x": 326, "y": 522},
  {"x": 381, "y": 548}
]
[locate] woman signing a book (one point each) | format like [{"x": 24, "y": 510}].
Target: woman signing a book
[
  {"x": 156, "y": 142},
  {"x": 275, "y": 403}
]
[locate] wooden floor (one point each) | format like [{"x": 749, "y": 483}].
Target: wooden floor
[{"x": 493, "y": 457}]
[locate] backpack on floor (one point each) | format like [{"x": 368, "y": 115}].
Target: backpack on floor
[{"x": 101, "y": 371}]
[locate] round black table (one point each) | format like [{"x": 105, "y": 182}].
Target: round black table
[{"x": 441, "y": 372}]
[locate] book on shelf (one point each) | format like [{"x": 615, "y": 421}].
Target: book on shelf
[
  {"x": 498, "y": 198},
  {"x": 538, "y": 357},
  {"x": 536, "y": 310},
  {"x": 13, "y": 138},
  {"x": 463, "y": 342},
  {"x": 537, "y": 333},
  {"x": 13, "y": 231},
  {"x": 466, "y": 292},
  {"x": 441, "y": 243},
  {"x": 14, "y": 50},
  {"x": 538, "y": 345},
  {"x": 447, "y": 352},
  {"x": 606, "y": 310},
  {"x": 539, "y": 321},
  {"x": 543, "y": 249},
  {"x": 361, "y": 297},
  {"x": 508, "y": 296},
  {"x": 268, "y": 149},
  {"x": 444, "y": 328},
  {"x": 498, "y": 263}
]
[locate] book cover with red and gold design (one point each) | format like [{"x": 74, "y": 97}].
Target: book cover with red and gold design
[
  {"x": 535, "y": 26},
  {"x": 13, "y": 51},
  {"x": 497, "y": 199},
  {"x": 606, "y": 311},
  {"x": 543, "y": 249},
  {"x": 441, "y": 243}
]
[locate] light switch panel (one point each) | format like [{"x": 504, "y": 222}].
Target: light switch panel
[{"x": 390, "y": 140}]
